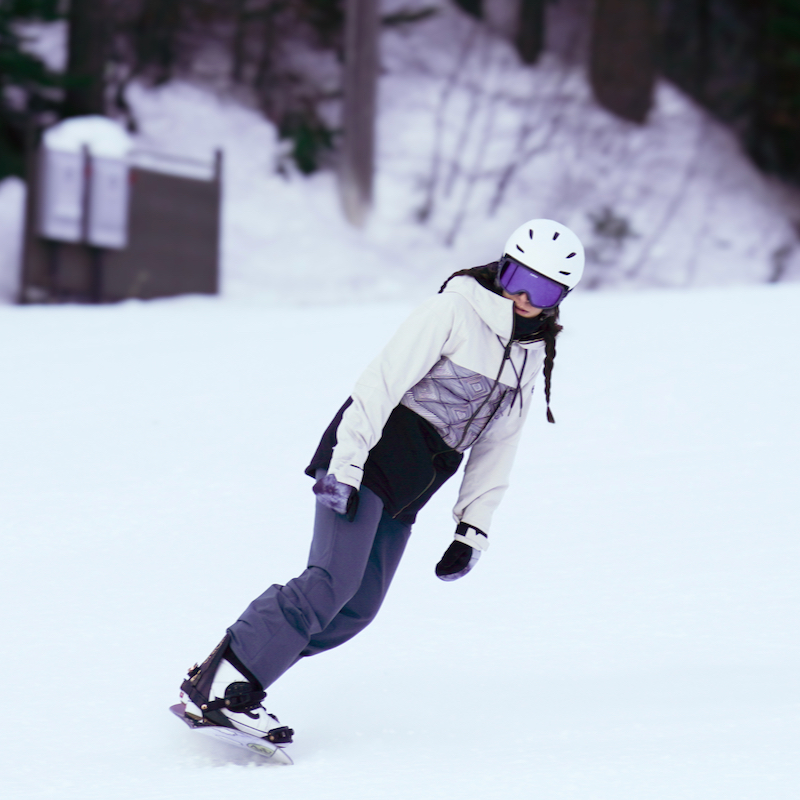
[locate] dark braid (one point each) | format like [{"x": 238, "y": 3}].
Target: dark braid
[{"x": 548, "y": 333}]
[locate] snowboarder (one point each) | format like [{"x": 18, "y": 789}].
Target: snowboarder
[{"x": 456, "y": 376}]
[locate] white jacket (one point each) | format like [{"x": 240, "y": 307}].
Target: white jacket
[{"x": 455, "y": 336}]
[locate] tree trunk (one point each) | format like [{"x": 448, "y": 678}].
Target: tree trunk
[
  {"x": 89, "y": 32},
  {"x": 360, "y": 89},
  {"x": 238, "y": 47},
  {"x": 156, "y": 33},
  {"x": 624, "y": 56},
  {"x": 687, "y": 46},
  {"x": 530, "y": 35}
]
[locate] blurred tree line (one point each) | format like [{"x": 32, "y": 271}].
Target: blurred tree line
[{"x": 738, "y": 58}]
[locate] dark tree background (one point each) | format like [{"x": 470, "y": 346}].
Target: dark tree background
[
  {"x": 530, "y": 32},
  {"x": 623, "y": 62},
  {"x": 472, "y": 7},
  {"x": 738, "y": 58},
  {"x": 741, "y": 60},
  {"x": 27, "y": 87},
  {"x": 89, "y": 26}
]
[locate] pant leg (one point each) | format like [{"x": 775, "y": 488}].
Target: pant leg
[
  {"x": 384, "y": 558},
  {"x": 277, "y": 626}
]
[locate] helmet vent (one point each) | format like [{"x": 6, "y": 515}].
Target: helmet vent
[
  {"x": 520, "y": 249},
  {"x": 530, "y": 233},
  {"x": 571, "y": 254},
  {"x": 555, "y": 235},
  {"x": 561, "y": 272}
]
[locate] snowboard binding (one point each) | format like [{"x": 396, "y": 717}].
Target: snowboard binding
[{"x": 222, "y": 692}]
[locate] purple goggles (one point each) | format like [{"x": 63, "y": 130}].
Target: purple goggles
[{"x": 542, "y": 292}]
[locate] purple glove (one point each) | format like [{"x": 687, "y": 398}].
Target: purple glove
[{"x": 338, "y": 497}]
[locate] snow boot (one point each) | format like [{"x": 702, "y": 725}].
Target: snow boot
[{"x": 222, "y": 691}]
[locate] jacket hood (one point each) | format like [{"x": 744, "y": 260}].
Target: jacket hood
[{"x": 494, "y": 309}]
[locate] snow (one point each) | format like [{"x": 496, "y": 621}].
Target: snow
[
  {"x": 103, "y": 136},
  {"x": 45, "y": 40},
  {"x": 630, "y": 634}
]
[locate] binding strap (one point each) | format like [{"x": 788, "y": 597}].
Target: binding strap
[{"x": 239, "y": 696}]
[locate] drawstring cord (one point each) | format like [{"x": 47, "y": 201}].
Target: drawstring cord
[
  {"x": 518, "y": 389},
  {"x": 506, "y": 355},
  {"x": 517, "y": 375}
]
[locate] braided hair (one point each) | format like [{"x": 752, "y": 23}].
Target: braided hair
[{"x": 547, "y": 330}]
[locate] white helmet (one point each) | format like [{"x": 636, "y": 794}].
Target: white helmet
[{"x": 550, "y": 249}]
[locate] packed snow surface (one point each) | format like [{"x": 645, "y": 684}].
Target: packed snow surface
[{"x": 631, "y": 633}]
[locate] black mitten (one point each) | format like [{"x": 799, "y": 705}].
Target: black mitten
[{"x": 463, "y": 553}]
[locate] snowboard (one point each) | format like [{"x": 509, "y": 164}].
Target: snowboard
[{"x": 272, "y": 752}]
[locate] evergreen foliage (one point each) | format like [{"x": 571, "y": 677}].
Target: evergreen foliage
[
  {"x": 774, "y": 135},
  {"x": 310, "y": 141},
  {"x": 27, "y": 86}
]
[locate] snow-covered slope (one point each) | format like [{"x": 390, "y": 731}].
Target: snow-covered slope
[
  {"x": 632, "y": 633},
  {"x": 671, "y": 203}
]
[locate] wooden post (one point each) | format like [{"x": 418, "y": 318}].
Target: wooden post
[
  {"x": 217, "y": 220},
  {"x": 360, "y": 90},
  {"x": 31, "y": 207},
  {"x": 530, "y": 34}
]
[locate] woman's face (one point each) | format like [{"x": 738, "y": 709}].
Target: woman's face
[{"x": 522, "y": 305}]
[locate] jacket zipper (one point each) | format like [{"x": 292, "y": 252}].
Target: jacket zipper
[
  {"x": 506, "y": 356},
  {"x": 430, "y": 483}
]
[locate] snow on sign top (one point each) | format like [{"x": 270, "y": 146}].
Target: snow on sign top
[{"x": 104, "y": 137}]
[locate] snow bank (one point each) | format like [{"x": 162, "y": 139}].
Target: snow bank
[{"x": 103, "y": 136}]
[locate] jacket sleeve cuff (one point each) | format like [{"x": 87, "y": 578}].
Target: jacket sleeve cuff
[
  {"x": 347, "y": 473},
  {"x": 474, "y": 537}
]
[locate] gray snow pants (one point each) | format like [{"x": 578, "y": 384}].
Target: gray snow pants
[{"x": 350, "y": 567}]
